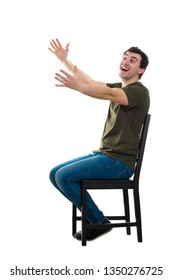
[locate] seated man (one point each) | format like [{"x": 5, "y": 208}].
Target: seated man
[{"x": 116, "y": 156}]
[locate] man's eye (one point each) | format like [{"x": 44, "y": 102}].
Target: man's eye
[{"x": 132, "y": 61}]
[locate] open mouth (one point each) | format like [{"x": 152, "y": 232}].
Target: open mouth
[{"x": 125, "y": 69}]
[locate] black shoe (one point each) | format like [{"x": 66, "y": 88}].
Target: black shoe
[{"x": 92, "y": 234}]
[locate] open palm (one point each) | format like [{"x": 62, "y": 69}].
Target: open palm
[{"x": 58, "y": 50}]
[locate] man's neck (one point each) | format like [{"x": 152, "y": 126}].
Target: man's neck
[{"x": 128, "y": 82}]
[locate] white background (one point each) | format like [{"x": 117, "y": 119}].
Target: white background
[{"x": 42, "y": 126}]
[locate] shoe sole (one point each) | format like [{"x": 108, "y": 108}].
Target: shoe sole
[{"x": 100, "y": 235}]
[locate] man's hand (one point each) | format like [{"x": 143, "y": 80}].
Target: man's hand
[
  {"x": 58, "y": 50},
  {"x": 70, "y": 81}
]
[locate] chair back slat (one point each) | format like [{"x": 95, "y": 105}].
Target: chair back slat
[{"x": 142, "y": 143}]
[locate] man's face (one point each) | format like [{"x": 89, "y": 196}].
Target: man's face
[{"x": 130, "y": 66}]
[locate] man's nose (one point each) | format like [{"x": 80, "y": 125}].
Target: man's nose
[{"x": 127, "y": 63}]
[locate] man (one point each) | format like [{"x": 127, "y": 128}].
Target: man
[{"x": 116, "y": 157}]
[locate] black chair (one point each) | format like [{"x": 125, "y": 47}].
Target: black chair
[{"x": 125, "y": 185}]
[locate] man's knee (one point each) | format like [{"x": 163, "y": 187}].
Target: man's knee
[
  {"x": 62, "y": 176},
  {"x": 52, "y": 176}
]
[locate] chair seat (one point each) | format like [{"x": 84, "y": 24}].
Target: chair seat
[{"x": 110, "y": 184}]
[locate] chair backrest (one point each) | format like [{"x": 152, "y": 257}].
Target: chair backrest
[{"x": 142, "y": 143}]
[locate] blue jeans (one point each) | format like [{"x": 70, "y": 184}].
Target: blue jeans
[{"x": 67, "y": 176}]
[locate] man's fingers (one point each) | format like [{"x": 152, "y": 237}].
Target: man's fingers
[
  {"x": 60, "y": 85},
  {"x": 50, "y": 50},
  {"x": 65, "y": 73},
  {"x": 59, "y": 44},
  {"x": 61, "y": 78},
  {"x": 67, "y": 47},
  {"x": 54, "y": 44}
]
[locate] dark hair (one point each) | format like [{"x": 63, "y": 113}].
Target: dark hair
[{"x": 144, "y": 61}]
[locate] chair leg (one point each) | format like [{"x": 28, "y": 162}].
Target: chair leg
[
  {"x": 126, "y": 209},
  {"x": 74, "y": 212},
  {"x": 138, "y": 214},
  {"x": 83, "y": 212}
]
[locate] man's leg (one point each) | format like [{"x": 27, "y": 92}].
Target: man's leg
[
  {"x": 67, "y": 179},
  {"x": 96, "y": 166}
]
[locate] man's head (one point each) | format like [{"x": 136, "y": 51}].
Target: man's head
[{"x": 133, "y": 63}]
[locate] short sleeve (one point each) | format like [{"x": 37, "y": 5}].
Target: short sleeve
[
  {"x": 114, "y": 85},
  {"x": 137, "y": 95}
]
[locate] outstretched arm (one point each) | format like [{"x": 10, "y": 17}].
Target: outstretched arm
[
  {"x": 62, "y": 54},
  {"x": 99, "y": 91}
]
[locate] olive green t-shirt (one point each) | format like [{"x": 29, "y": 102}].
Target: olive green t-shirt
[{"x": 123, "y": 125}]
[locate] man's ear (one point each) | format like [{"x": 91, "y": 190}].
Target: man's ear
[{"x": 141, "y": 71}]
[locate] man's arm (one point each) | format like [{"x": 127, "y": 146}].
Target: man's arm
[
  {"x": 99, "y": 91},
  {"x": 85, "y": 77},
  {"x": 62, "y": 54}
]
